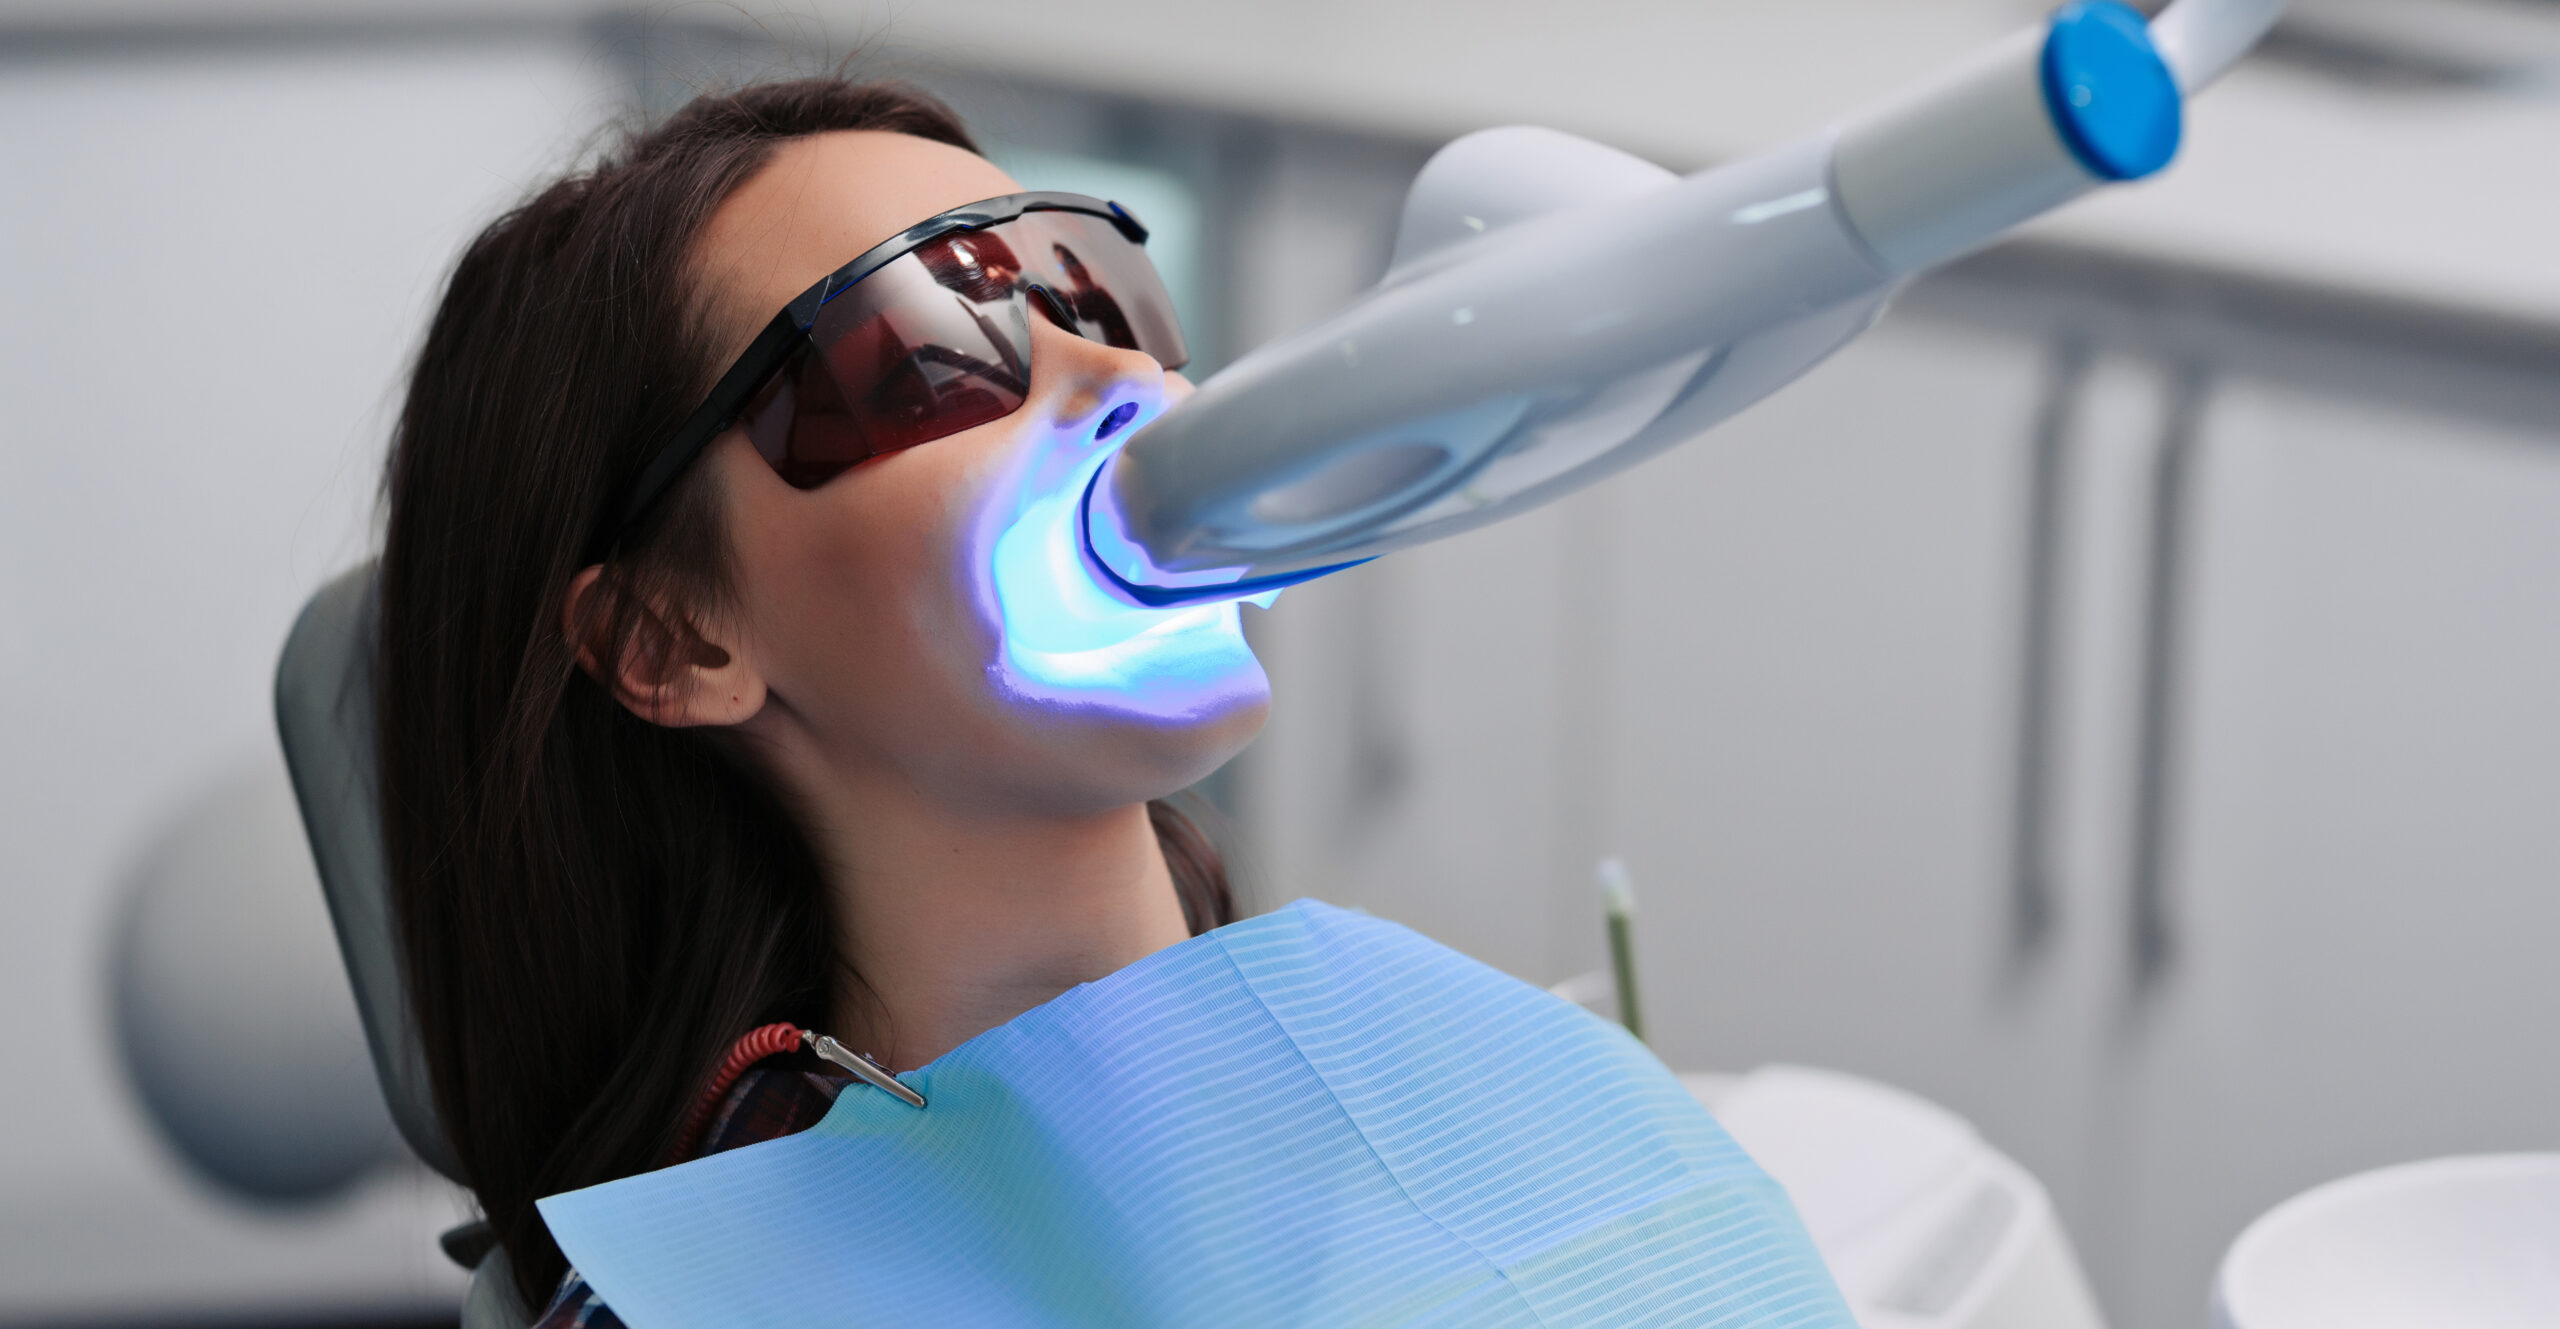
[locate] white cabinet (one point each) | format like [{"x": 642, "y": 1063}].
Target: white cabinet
[
  {"x": 2365, "y": 858},
  {"x": 1780, "y": 671}
]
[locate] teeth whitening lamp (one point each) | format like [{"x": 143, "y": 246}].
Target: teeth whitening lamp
[{"x": 1556, "y": 310}]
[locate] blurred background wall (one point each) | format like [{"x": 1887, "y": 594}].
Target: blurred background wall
[{"x": 2114, "y": 699}]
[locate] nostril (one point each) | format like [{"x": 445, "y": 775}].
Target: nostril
[{"x": 1118, "y": 420}]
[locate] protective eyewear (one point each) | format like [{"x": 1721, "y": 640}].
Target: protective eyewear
[{"x": 925, "y": 335}]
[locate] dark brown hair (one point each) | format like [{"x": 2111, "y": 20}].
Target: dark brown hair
[{"x": 591, "y": 907}]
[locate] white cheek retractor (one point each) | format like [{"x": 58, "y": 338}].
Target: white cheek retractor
[{"x": 1557, "y": 310}]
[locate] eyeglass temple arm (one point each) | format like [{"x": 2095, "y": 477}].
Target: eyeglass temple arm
[{"x": 772, "y": 347}]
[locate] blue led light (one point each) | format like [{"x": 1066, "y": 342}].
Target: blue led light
[
  {"x": 1124, "y": 562},
  {"x": 2111, "y": 96},
  {"x": 1068, "y": 639}
]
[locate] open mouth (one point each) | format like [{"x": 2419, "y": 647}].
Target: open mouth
[{"x": 1061, "y": 628}]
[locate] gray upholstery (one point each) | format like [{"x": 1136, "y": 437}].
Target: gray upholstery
[
  {"x": 324, "y": 713},
  {"x": 492, "y": 1302}
]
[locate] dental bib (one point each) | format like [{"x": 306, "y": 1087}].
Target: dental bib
[{"x": 1309, "y": 1118}]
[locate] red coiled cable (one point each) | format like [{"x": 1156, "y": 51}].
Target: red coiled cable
[{"x": 755, "y": 1046}]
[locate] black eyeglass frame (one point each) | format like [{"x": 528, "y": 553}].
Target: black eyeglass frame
[{"x": 788, "y": 334}]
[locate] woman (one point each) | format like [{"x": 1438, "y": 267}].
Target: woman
[
  {"x": 768, "y": 759},
  {"x": 744, "y": 691}
]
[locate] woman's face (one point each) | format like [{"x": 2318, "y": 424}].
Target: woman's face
[{"x": 925, "y": 617}]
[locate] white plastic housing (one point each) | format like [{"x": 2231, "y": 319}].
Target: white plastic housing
[
  {"x": 2469, "y": 1241},
  {"x": 1954, "y": 163},
  {"x": 1922, "y": 1223},
  {"x": 1488, "y": 373},
  {"x": 1557, "y": 311},
  {"x": 2203, "y": 39}
]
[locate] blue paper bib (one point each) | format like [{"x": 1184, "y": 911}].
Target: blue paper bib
[{"x": 1309, "y": 1118}]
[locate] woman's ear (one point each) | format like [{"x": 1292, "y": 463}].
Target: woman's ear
[{"x": 662, "y": 668}]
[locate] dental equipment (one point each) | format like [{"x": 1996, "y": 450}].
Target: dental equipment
[
  {"x": 1556, "y": 311},
  {"x": 2463, "y": 1240},
  {"x": 1618, "y": 903}
]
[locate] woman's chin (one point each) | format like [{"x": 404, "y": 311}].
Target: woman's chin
[
  {"x": 1191, "y": 669},
  {"x": 1109, "y": 748},
  {"x": 1175, "y": 757}
]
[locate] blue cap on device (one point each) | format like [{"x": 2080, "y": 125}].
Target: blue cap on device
[{"x": 2112, "y": 97}]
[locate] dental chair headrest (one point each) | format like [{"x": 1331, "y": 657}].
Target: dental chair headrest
[{"x": 324, "y": 713}]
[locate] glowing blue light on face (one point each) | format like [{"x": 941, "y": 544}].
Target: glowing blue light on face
[{"x": 1068, "y": 639}]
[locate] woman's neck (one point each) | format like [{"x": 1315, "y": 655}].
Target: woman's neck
[{"x": 957, "y": 923}]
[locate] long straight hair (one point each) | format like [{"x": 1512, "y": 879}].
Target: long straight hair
[{"x": 592, "y": 907}]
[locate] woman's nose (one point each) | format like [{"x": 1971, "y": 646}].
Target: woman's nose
[{"x": 1091, "y": 386}]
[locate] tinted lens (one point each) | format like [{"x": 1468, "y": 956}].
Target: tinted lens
[
  {"x": 1101, "y": 279},
  {"x": 939, "y": 340},
  {"x": 933, "y": 343}
]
